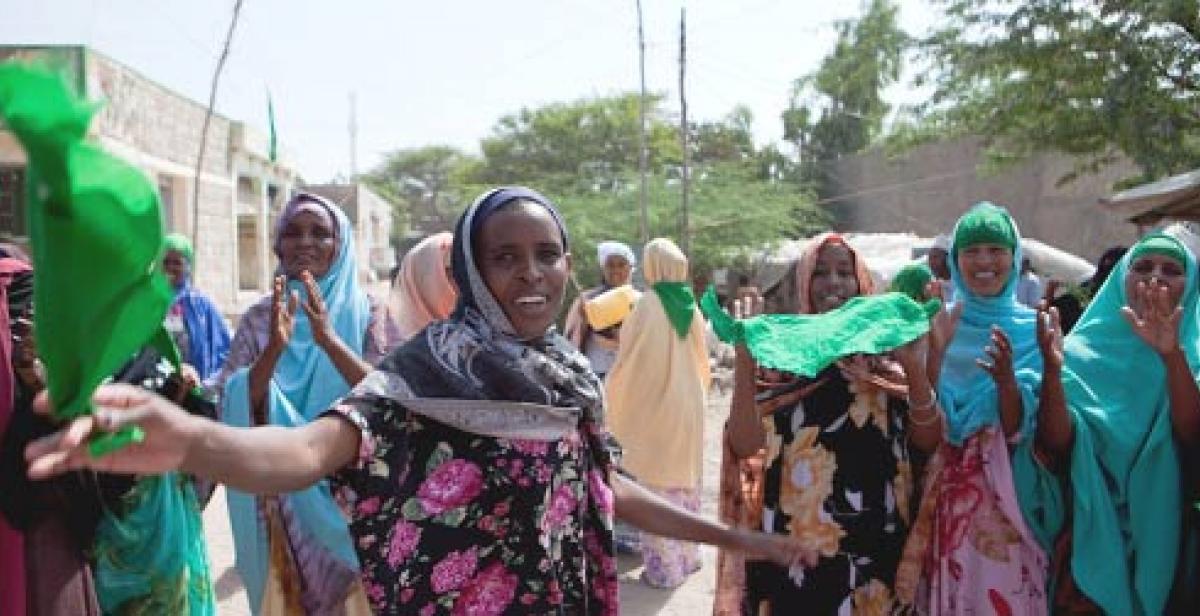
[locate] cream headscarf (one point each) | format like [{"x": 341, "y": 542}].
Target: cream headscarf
[
  {"x": 423, "y": 293},
  {"x": 658, "y": 385}
]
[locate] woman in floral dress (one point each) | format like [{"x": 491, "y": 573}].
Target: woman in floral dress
[
  {"x": 473, "y": 465},
  {"x": 835, "y": 472}
]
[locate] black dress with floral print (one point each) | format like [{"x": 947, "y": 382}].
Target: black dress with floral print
[
  {"x": 446, "y": 521},
  {"x": 838, "y": 476}
]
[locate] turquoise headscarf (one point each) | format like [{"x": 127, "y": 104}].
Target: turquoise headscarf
[
  {"x": 304, "y": 385},
  {"x": 967, "y": 392},
  {"x": 1124, "y": 476}
]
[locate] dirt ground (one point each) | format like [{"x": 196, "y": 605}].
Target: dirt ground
[{"x": 693, "y": 598}]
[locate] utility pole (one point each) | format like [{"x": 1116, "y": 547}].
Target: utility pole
[
  {"x": 643, "y": 219},
  {"x": 684, "y": 230},
  {"x": 353, "y": 138}
]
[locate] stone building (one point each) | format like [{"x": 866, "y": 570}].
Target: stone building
[
  {"x": 927, "y": 189},
  {"x": 241, "y": 190}
]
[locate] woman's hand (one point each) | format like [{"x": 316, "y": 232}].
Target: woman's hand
[
  {"x": 748, "y": 307},
  {"x": 1000, "y": 359},
  {"x": 318, "y": 315},
  {"x": 169, "y": 432},
  {"x": 780, "y": 549},
  {"x": 1158, "y": 323},
  {"x": 912, "y": 356},
  {"x": 283, "y": 315},
  {"x": 1050, "y": 336},
  {"x": 945, "y": 322}
]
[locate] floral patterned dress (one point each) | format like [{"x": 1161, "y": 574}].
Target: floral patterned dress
[
  {"x": 449, "y": 521},
  {"x": 838, "y": 476},
  {"x": 970, "y": 548}
]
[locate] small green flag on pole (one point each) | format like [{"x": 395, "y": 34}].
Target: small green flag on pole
[
  {"x": 95, "y": 226},
  {"x": 273, "y": 151}
]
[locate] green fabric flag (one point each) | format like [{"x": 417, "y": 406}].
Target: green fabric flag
[
  {"x": 273, "y": 151},
  {"x": 95, "y": 227},
  {"x": 679, "y": 303},
  {"x": 806, "y": 344}
]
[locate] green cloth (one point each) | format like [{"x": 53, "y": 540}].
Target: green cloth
[
  {"x": 152, "y": 559},
  {"x": 1158, "y": 244},
  {"x": 912, "y": 279},
  {"x": 679, "y": 303},
  {"x": 95, "y": 227},
  {"x": 180, "y": 243},
  {"x": 984, "y": 223},
  {"x": 806, "y": 344},
  {"x": 1124, "y": 484}
]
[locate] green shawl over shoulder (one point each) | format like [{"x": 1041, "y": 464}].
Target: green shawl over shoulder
[
  {"x": 806, "y": 344},
  {"x": 1124, "y": 477}
]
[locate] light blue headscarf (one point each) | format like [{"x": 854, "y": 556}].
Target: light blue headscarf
[
  {"x": 1124, "y": 476},
  {"x": 305, "y": 383},
  {"x": 967, "y": 392}
]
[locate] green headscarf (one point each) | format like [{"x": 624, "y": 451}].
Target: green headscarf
[
  {"x": 1159, "y": 244},
  {"x": 178, "y": 242},
  {"x": 912, "y": 279},
  {"x": 985, "y": 223},
  {"x": 679, "y": 303},
  {"x": 1125, "y": 493},
  {"x": 806, "y": 344}
]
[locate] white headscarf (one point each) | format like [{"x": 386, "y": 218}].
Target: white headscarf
[{"x": 604, "y": 250}]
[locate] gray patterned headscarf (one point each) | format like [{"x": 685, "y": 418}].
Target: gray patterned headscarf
[{"x": 476, "y": 354}]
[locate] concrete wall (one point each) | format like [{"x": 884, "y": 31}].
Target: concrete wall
[{"x": 926, "y": 190}]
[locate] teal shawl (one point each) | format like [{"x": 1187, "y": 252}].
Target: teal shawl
[
  {"x": 1124, "y": 478},
  {"x": 967, "y": 392}
]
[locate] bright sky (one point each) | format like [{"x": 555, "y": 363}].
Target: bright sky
[{"x": 443, "y": 72}]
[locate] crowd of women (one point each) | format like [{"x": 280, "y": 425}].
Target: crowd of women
[{"x": 447, "y": 451}]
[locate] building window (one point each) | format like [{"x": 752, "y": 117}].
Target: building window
[
  {"x": 12, "y": 200},
  {"x": 166, "y": 193}
]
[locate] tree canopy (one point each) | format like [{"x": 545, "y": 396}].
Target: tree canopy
[
  {"x": 584, "y": 155},
  {"x": 1094, "y": 78}
]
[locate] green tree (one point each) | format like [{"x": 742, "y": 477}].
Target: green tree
[
  {"x": 1092, "y": 78},
  {"x": 429, "y": 185},
  {"x": 589, "y": 142},
  {"x": 840, "y": 109},
  {"x": 734, "y": 214}
]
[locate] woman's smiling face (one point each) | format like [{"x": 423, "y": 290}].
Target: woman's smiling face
[
  {"x": 520, "y": 256},
  {"x": 834, "y": 280},
  {"x": 985, "y": 268}
]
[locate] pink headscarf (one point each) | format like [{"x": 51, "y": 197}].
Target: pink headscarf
[
  {"x": 423, "y": 291},
  {"x": 12, "y": 543}
]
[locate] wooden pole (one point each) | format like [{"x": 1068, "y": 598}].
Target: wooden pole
[
  {"x": 643, "y": 163},
  {"x": 212, "y": 101},
  {"x": 684, "y": 225}
]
